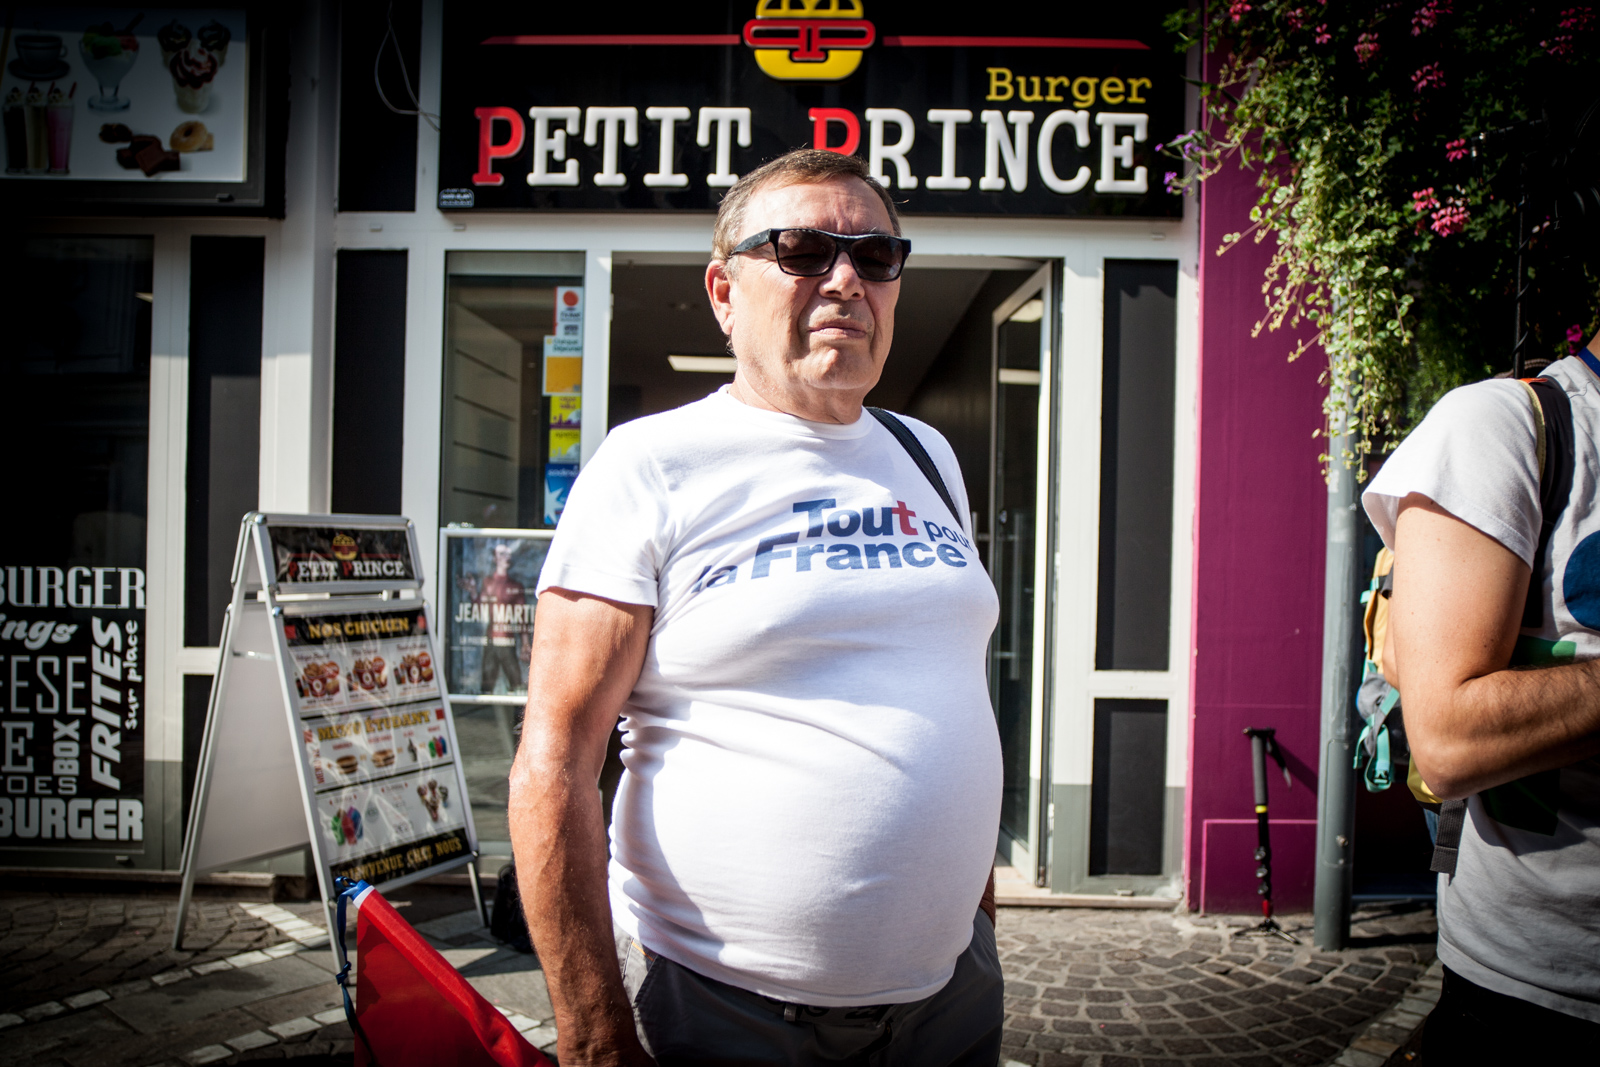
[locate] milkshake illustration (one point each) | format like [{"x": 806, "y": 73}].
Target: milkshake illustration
[
  {"x": 16, "y": 123},
  {"x": 214, "y": 38},
  {"x": 58, "y": 129},
  {"x": 192, "y": 72},
  {"x": 38, "y": 137},
  {"x": 109, "y": 54},
  {"x": 173, "y": 38}
]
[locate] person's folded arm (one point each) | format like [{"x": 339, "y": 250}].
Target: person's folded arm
[
  {"x": 587, "y": 655},
  {"x": 1471, "y": 720}
]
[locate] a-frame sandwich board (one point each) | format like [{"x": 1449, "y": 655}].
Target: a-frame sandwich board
[{"x": 328, "y": 726}]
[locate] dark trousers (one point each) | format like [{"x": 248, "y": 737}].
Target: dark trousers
[
  {"x": 688, "y": 1020},
  {"x": 1472, "y": 1025}
]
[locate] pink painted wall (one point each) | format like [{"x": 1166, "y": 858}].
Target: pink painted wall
[{"x": 1259, "y": 528}]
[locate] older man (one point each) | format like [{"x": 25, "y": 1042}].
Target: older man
[{"x": 770, "y": 591}]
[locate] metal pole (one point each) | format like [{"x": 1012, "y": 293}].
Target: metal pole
[{"x": 1336, "y": 779}]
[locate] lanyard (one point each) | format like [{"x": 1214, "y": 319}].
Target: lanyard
[{"x": 1590, "y": 361}]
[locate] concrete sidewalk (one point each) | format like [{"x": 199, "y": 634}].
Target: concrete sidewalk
[{"x": 90, "y": 982}]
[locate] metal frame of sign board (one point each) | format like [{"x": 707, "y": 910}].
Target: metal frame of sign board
[
  {"x": 446, "y": 535},
  {"x": 255, "y": 593}
]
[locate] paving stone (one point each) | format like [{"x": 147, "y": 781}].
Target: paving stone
[
  {"x": 295, "y": 1027},
  {"x": 83, "y": 1000},
  {"x": 209, "y": 1054},
  {"x": 254, "y": 1039}
]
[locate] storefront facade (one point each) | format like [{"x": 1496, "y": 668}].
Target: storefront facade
[{"x": 446, "y": 324}]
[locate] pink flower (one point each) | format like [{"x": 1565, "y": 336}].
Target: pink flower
[
  {"x": 1450, "y": 219},
  {"x": 1323, "y": 36},
  {"x": 1424, "y": 200},
  {"x": 1577, "y": 18},
  {"x": 1237, "y": 9},
  {"x": 1574, "y": 338},
  {"x": 1456, "y": 150},
  {"x": 1295, "y": 17},
  {"x": 1366, "y": 47},
  {"x": 1559, "y": 45},
  {"x": 1429, "y": 77},
  {"x": 1427, "y": 16}
]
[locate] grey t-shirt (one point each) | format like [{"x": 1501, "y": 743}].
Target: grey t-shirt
[{"x": 1521, "y": 915}]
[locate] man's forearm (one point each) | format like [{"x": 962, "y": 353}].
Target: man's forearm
[
  {"x": 1504, "y": 725},
  {"x": 558, "y": 833}
]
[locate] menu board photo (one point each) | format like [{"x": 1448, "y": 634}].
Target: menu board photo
[
  {"x": 490, "y": 578},
  {"x": 379, "y": 750},
  {"x": 129, "y": 94}
]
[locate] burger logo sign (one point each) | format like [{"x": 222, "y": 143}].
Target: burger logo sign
[{"x": 809, "y": 40}]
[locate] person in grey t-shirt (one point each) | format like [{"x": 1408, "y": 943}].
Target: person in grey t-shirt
[{"x": 1497, "y": 710}]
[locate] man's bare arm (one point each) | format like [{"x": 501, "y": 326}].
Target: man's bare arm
[
  {"x": 587, "y": 654},
  {"x": 1457, "y": 607}
]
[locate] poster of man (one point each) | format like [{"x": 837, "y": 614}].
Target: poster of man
[{"x": 490, "y": 578}]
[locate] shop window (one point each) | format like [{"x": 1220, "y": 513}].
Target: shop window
[
  {"x": 76, "y": 386},
  {"x": 380, "y": 60},
  {"x": 1127, "y": 799},
  {"x": 513, "y": 382},
  {"x": 224, "y": 454},
  {"x": 1136, "y": 441},
  {"x": 369, "y": 381}
]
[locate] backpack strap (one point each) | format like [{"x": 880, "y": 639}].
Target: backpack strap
[
  {"x": 1452, "y": 817},
  {"x": 1553, "y": 409},
  {"x": 920, "y": 457}
]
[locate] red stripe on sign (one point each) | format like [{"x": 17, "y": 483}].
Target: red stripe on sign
[
  {"x": 1015, "y": 42},
  {"x": 618, "y": 38}
]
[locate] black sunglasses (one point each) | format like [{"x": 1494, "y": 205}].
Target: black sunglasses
[{"x": 806, "y": 253}]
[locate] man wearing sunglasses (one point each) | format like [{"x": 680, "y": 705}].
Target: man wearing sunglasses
[{"x": 790, "y": 618}]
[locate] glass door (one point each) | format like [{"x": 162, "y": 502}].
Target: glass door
[{"x": 1021, "y": 344}]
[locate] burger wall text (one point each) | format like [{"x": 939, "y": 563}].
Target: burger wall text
[{"x": 1060, "y": 160}]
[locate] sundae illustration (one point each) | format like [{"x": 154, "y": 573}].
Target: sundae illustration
[
  {"x": 192, "y": 72},
  {"x": 109, "y": 54},
  {"x": 173, "y": 38},
  {"x": 214, "y": 38},
  {"x": 434, "y": 796}
]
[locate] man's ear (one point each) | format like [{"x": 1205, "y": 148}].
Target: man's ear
[{"x": 719, "y": 288}]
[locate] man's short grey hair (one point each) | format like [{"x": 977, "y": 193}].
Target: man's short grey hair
[{"x": 803, "y": 166}]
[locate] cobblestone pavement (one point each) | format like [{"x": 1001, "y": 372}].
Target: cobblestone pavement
[
  {"x": 58, "y": 946},
  {"x": 1091, "y": 988},
  {"x": 90, "y": 982}
]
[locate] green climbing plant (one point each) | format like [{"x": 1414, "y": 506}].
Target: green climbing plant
[{"x": 1390, "y": 143}]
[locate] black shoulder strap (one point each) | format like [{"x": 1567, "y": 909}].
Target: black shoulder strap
[
  {"x": 1555, "y": 484},
  {"x": 919, "y": 455},
  {"x": 1452, "y": 818}
]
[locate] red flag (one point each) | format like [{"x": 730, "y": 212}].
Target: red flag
[{"x": 414, "y": 1008}]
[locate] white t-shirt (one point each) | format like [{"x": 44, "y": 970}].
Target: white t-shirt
[
  {"x": 812, "y": 790},
  {"x": 1521, "y": 915}
]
